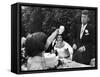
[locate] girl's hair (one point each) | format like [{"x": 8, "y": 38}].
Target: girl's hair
[
  {"x": 59, "y": 35},
  {"x": 35, "y": 44}
]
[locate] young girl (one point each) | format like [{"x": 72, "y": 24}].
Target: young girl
[
  {"x": 63, "y": 48},
  {"x": 34, "y": 48}
]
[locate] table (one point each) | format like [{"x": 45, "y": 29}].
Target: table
[{"x": 71, "y": 64}]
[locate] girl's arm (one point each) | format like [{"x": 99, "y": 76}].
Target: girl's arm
[
  {"x": 51, "y": 38},
  {"x": 70, "y": 49}
]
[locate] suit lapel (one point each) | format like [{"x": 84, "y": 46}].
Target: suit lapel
[
  {"x": 78, "y": 35},
  {"x": 79, "y": 31},
  {"x": 84, "y": 31}
]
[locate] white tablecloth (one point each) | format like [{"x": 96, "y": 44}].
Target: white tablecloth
[{"x": 72, "y": 64}]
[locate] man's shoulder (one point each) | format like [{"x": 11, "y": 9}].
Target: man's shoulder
[{"x": 91, "y": 26}]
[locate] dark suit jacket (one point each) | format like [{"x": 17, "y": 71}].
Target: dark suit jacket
[{"x": 87, "y": 40}]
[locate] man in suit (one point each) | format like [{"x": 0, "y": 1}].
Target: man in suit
[{"x": 84, "y": 40}]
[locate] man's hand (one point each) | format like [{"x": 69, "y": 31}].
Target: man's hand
[
  {"x": 74, "y": 46},
  {"x": 82, "y": 49},
  {"x": 92, "y": 63}
]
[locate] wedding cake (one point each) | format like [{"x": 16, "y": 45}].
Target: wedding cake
[
  {"x": 61, "y": 29},
  {"x": 50, "y": 59}
]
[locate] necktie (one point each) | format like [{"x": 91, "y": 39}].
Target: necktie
[{"x": 82, "y": 30}]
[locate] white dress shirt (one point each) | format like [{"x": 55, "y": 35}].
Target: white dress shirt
[{"x": 82, "y": 30}]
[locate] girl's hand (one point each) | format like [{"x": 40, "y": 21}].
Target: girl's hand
[{"x": 74, "y": 46}]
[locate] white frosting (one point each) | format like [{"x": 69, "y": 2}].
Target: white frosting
[
  {"x": 48, "y": 55},
  {"x": 50, "y": 59},
  {"x": 61, "y": 29}
]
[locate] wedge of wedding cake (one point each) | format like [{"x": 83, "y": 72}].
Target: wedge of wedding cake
[{"x": 50, "y": 60}]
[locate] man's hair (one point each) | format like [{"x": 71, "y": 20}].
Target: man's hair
[
  {"x": 35, "y": 44},
  {"x": 85, "y": 12}
]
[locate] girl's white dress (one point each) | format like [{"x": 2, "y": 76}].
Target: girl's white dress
[
  {"x": 62, "y": 52},
  {"x": 36, "y": 63}
]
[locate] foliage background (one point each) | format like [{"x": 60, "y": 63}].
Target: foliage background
[{"x": 45, "y": 19}]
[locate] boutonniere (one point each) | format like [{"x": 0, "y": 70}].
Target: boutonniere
[{"x": 86, "y": 32}]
